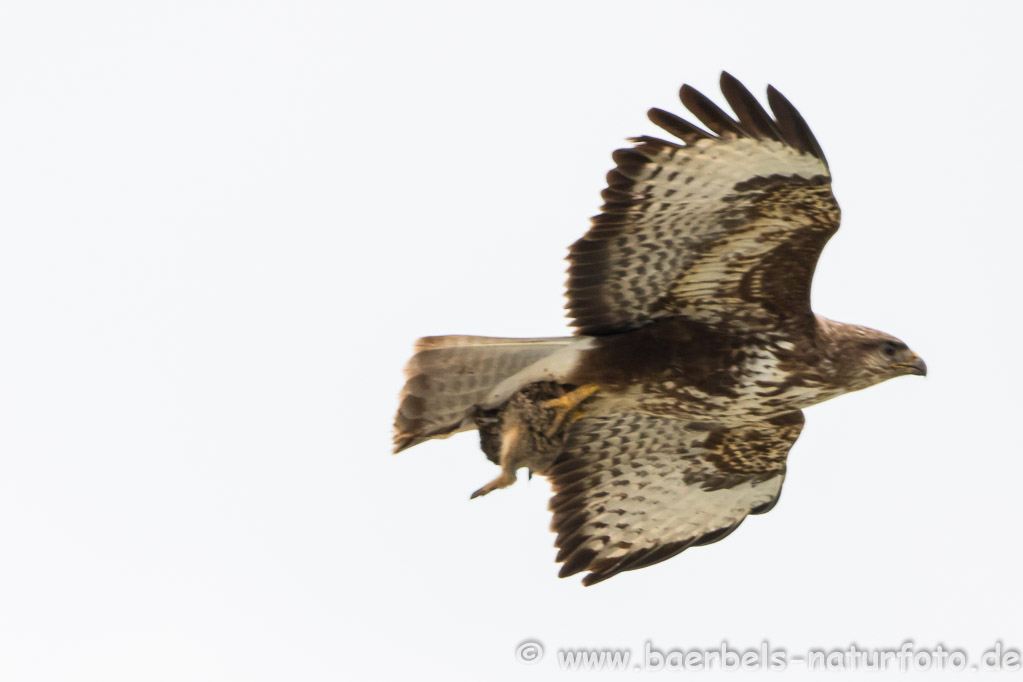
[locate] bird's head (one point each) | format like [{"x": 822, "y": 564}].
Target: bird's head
[{"x": 866, "y": 357}]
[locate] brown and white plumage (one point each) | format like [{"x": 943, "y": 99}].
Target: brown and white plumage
[
  {"x": 724, "y": 229},
  {"x": 695, "y": 350},
  {"x": 632, "y": 489}
]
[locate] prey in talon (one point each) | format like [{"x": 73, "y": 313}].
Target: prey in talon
[
  {"x": 566, "y": 406},
  {"x": 527, "y": 431}
]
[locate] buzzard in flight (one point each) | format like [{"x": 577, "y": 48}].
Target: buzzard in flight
[{"x": 667, "y": 417}]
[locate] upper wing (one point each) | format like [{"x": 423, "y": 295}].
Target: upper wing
[
  {"x": 725, "y": 230},
  {"x": 632, "y": 489}
]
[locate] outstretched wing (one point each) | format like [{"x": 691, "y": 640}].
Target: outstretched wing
[
  {"x": 725, "y": 229},
  {"x": 632, "y": 489}
]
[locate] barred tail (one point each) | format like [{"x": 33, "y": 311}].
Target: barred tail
[{"x": 448, "y": 375}]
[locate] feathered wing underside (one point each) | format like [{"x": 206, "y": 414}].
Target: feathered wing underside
[
  {"x": 725, "y": 229},
  {"x": 632, "y": 489}
]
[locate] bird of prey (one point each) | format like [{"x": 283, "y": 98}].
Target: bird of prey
[{"x": 666, "y": 418}]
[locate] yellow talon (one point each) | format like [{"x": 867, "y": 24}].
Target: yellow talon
[{"x": 564, "y": 405}]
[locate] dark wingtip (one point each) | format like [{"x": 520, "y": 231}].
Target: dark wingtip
[
  {"x": 679, "y": 127},
  {"x": 710, "y": 114},
  {"x": 751, "y": 114},
  {"x": 591, "y": 579},
  {"x": 793, "y": 127}
]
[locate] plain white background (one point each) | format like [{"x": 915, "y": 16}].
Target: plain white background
[{"x": 224, "y": 224}]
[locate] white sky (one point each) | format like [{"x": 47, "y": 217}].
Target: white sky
[{"x": 224, "y": 224}]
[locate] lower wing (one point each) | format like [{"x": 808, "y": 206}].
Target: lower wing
[{"x": 633, "y": 489}]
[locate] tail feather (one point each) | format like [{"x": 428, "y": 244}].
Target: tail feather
[{"x": 448, "y": 375}]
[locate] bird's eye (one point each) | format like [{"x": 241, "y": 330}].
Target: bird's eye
[{"x": 889, "y": 348}]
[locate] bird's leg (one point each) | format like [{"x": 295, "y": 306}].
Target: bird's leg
[
  {"x": 508, "y": 461},
  {"x": 564, "y": 405}
]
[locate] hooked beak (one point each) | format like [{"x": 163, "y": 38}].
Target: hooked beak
[{"x": 915, "y": 366}]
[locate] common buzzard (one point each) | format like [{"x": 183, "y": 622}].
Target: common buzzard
[{"x": 667, "y": 417}]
